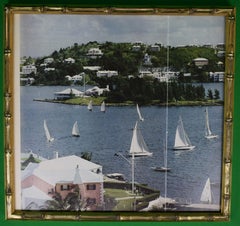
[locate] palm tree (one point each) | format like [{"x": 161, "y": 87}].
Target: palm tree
[{"x": 72, "y": 202}]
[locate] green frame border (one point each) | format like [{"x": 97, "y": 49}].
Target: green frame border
[{"x": 235, "y": 202}]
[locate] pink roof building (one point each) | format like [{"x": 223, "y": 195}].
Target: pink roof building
[{"x": 63, "y": 176}]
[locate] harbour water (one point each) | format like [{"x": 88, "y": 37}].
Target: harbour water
[{"x": 105, "y": 134}]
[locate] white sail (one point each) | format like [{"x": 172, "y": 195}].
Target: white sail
[
  {"x": 206, "y": 196},
  {"x": 47, "y": 133},
  {"x": 103, "y": 107},
  {"x": 138, "y": 146},
  {"x": 208, "y": 132},
  {"x": 75, "y": 130},
  {"x": 182, "y": 141},
  {"x": 139, "y": 114},
  {"x": 89, "y": 107}
]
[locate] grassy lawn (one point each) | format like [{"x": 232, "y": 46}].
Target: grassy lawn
[
  {"x": 85, "y": 101},
  {"x": 117, "y": 193},
  {"x": 124, "y": 205},
  {"x": 124, "y": 199},
  {"x": 99, "y": 100}
]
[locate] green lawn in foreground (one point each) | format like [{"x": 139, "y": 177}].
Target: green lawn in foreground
[
  {"x": 124, "y": 199},
  {"x": 117, "y": 193}
]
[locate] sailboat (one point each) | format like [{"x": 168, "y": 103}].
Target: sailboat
[
  {"x": 161, "y": 168},
  {"x": 182, "y": 141},
  {"x": 139, "y": 114},
  {"x": 103, "y": 107},
  {"x": 89, "y": 107},
  {"x": 206, "y": 196},
  {"x": 47, "y": 133},
  {"x": 138, "y": 146},
  {"x": 75, "y": 130},
  {"x": 208, "y": 132}
]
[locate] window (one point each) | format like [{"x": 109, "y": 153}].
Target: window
[
  {"x": 65, "y": 187},
  {"x": 91, "y": 187}
]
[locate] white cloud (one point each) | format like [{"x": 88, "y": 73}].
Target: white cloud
[{"x": 42, "y": 34}]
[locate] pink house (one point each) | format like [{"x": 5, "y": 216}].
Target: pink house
[{"x": 63, "y": 175}]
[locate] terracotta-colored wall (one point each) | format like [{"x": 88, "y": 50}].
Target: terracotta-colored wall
[
  {"x": 38, "y": 183},
  {"x": 85, "y": 194}
]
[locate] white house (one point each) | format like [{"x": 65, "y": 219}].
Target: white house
[
  {"x": 69, "y": 60},
  {"x": 107, "y": 73},
  {"x": 68, "y": 93},
  {"x": 145, "y": 73},
  {"x": 220, "y": 53},
  {"x": 28, "y": 69},
  {"x": 75, "y": 78},
  {"x": 155, "y": 48},
  {"x": 47, "y": 69},
  {"x": 217, "y": 76},
  {"x": 136, "y": 48},
  {"x": 92, "y": 68},
  {"x": 96, "y": 91},
  {"x": 48, "y": 60},
  {"x": 94, "y": 53},
  {"x": 166, "y": 76},
  {"x": 200, "y": 62}
]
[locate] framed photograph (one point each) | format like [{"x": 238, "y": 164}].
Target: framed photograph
[{"x": 118, "y": 113}]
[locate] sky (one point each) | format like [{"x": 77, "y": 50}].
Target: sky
[{"x": 41, "y": 34}]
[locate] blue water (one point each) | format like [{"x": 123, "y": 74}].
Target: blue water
[{"x": 104, "y": 134}]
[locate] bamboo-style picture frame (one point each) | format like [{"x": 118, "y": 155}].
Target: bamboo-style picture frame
[{"x": 100, "y": 108}]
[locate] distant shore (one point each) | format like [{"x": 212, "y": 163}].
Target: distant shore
[{"x": 98, "y": 101}]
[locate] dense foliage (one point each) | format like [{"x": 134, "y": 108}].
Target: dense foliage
[
  {"x": 146, "y": 90},
  {"x": 122, "y": 58}
]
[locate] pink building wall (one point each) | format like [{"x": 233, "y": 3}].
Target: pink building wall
[
  {"x": 38, "y": 183},
  {"x": 96, "y": 194}
]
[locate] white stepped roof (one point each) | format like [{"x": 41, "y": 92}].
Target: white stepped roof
[
  {"x": 33, "y": 192},
  {"x": 33, "y": 198},
  {"x": 69, "y": 91},
  {"x": 63, "y": 170},
  {"x": 69, "y": 162}
]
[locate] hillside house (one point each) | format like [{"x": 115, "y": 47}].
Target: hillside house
[
  {"x": 107, "y": 73},
  {"x": 28, "y": 69},
  {"x": 69, "y": 60},
  {"x": 200, "y": 62},
  {"x": 96, "y": 91},
  {"x": 94, "y": 53},
  {"x": 48, "y": 60},
  {"x": 154, "y": 48}
]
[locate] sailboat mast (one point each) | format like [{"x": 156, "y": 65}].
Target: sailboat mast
[
  {"x": 133, "y": 173},
  {"x": 133, "y": 182},
  {"x": 166, "y": 134},
  {"x": 208, "y": 131}
]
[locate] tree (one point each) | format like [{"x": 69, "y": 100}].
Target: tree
[
  {"x": 28, "y": 160},
  {"x": 216, "y": 94},
  {"x": 72, "y": 202},
  {"x": 210, "y": 94}
]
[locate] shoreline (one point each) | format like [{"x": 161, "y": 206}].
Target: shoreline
[{"x": 170, "y": 104}]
